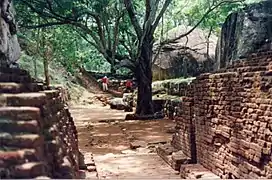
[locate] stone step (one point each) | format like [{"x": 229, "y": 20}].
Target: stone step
[
  {"x": 4, "y": 77},
  {"x": 12, "y": 126},
  {"x": 196, "y": 171},
  {"x": 29, "y": 170},
  {"x": 16, "y": 71},
  {"x": 8, "y": 87},
  {"x": 23, "y": 99},
  {"x": 11, "y": 158},
  {"x": 20, "y": 113},
  {"x": 21, "y": 140},
  {"x": 42, "y": 177},
  {"x": 50, "y": 94},
  {"x": 175, "y": 158}
]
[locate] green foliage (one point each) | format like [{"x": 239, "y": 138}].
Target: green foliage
[
  {"x": 74, "y": 47},
  {"x": 69, "y": 49},
  {"x": 58, "y": 75},
  {"x": 183, "y": 12}
]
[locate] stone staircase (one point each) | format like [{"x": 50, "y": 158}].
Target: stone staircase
[{"x": 38, "y": 137}]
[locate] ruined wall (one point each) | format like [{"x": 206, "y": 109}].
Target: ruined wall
[
  {"x": 231, "y": 111},
  {"x": 184, "y": 137},
  {"x": 38, "y": 135}
]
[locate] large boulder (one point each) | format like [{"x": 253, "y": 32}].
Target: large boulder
[
  {"x": 245, "y": 32},
  {"x": 117, "y": 103},
  {"x": 9, "y": 46},
  {"x": 188, "y": 56}
]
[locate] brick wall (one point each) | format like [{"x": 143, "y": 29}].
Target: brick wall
[
  {"x": 231, "y": 112},
  {"x": 38, "y": 135},
  {"x": 184, "y": 137}
]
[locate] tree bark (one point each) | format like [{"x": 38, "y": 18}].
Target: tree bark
[
  {"x": 144, "y": 78},
  {"x": 46, "y": 58},
  {"x": 46, "y": 71},
  {"x": 113, "y": 70}
]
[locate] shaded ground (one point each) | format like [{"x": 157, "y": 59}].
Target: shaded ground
[{"x": 122, "y": 149}]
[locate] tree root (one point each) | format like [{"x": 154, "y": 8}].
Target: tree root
[{"x": 144, "y": 117}]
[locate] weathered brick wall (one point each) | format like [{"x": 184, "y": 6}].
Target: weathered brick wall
[
  {"x": 184, "y": 137},
  {"x": 38, "y": 135},
  {"x": 214, "y": 109},
  {"x": 231, "y": 111}
]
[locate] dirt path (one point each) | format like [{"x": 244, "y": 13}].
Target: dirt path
[{"x": 122, "y": 149}]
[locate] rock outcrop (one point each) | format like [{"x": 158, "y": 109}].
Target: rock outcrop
[
  {"x": 188, "y": 56},
  {"x": 245, "y": 32},
  {"x": 9, "y": 46}
]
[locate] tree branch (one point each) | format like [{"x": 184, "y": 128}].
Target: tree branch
[
  {"x": 129, "y": 50},
  {"x": 116, "y": 33},
  {"x": 45, "y": 25},
  {"x": 200, "y": 21},
  {"x": 156, "y": 22},
  {"x": 41, "y": 13},
  {"x": 134, "y": 20}
]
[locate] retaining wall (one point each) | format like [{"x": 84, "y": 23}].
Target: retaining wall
[
  {"x": 224, "y": 122},
  {"x": 38, "y": 135}
]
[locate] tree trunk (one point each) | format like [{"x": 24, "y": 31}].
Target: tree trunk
[
  {"x": 35, "y": 68},
  {"x": 46, "y": 66},
  {"x": 113, "y": 69},
  {"x": 46, "y": 71},
  {"x": 144, "y": 79}
]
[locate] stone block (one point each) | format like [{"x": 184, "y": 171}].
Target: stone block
[
  {"x": 21, "y": 141},
  {"x": 25, "y": 99},
  {"x": 20, "y": 113},
  {"x": 11, "y": 126},
  {"x": 29, "y": 170}
]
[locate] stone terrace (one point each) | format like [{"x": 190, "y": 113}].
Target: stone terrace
[
  {"x": 224, "y": 123},
  {"x": 37, "y": 134}
]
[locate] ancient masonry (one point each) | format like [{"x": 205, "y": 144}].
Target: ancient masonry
[
  {"x": 223, "y": 128},
  {"x": 37, "y": 134}
]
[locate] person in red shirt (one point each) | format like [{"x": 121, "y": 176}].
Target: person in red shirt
[
  {"x": 128, "y": 86},
  {"x": 105, "y": 82}
]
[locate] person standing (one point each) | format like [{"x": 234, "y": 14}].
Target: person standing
[
  {"x": 105, "y": 82},
  {"x": 128, "y": 86}
]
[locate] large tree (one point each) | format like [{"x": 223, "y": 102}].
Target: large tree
[
  {"x": 145, "y": 34},
  {"x": 119, "y": 29},
  {"x": 145, "y": 37},
  {"x": 103, "y": 24}
]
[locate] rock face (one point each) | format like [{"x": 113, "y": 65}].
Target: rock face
[
  {"x": 9, "y": 46},
  {"x": 188, "y": 56},
  {"x": 245, "y": 32}
]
